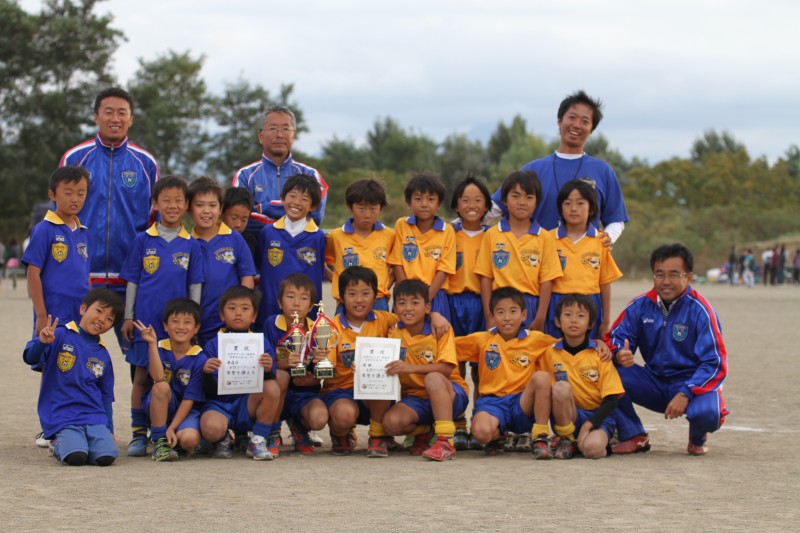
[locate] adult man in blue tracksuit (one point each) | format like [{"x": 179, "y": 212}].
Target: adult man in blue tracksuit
[{"x": 680, "y": 339}]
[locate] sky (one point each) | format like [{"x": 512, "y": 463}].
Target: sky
[{"x": 666, "y": 71}]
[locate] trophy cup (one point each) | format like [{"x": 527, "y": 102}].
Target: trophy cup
[
  {"x": 324, "y": 335},
  {"x": 295, "y": 341}
]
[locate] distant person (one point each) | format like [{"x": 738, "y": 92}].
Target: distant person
[
  {"x": 796, "y": 267},
  {"x": 13, "y": 254},
  {"x": 749, "y": 269},
  {"x": 766, "y": 261},
  {"x": 732, "y": 262},
  {"x": 780, "y": 264}
]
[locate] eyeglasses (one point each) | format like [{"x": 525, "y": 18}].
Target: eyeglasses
[
  {"x": 272, "y": 130},
  {"x": 672, "y": 276}
]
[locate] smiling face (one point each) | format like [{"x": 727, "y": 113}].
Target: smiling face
[
  {"x": 236, "y": 217},
  {"x": 113, "y": 118},
  {"x": 412, "y": 309},
  {"x": 171, "y": 203},
  {"x": 574, "y": 324},
  {"x": 670, "y": 278},
  {"x": 297, "y": 204},
  {"x": 358, "y": 299},
  {"x": 181, "y": 328},
  {"x": 520, "y": 204},
  {"x": 205, "y": 210},
  {"x": 575, "y": 127},
  {"x": 276, "y": 136},
  {"x": 238, "y": 314},
  {"x": 97, "y": 318},
  {"x": 508, "y": 317},
  {"x": 472, "y": 207},
  {"x": 69, "y": 197}
]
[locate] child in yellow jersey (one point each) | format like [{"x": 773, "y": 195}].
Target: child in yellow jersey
[
  {"x": 424, "y": 245},
  {"x": 585, "y": 258},
  {"x": 362, "y": 240},
  {"x": 518, "y": 252},
  {"x": 586, "y": 388},
  {"x": 511, "y": 395},
  {"x": 432, "y": 389}
]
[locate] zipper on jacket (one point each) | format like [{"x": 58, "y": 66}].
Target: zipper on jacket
[{"x": 108, "y": 213}]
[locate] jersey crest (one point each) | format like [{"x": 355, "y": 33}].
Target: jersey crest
[
  {"x": 59, "y": 251},
  {"x": 275, "y": 256},
  {"x": 560, "y": 373},
  {"x": 459, "y": 260},
  {"x": 282, "y": 352},
  {"x": 531, "y": 257},
  {"x": 184, "y": 375},
  {"x": 590, "y": 373},
  {"x": 347, "y": 356},
  {"x": 349, "y": 260},
  {"x": 492, "y": 359},
  {"x": 379, "y": 254},
  {"x": 168, "y": 375},
  {"x": 592, "y": 259},
  {"x": 425, "y": 354},
  {"x": 181, "y": 259},
  {"x": 679, "y": 332},
  {"x": 150, "y": 263},
  {"x": 307, "y": 255},
  {"x": 65, "y": 361},
  {"x": 129, "y": 178},
  {"x": 410, "y": 251},
  {"x": 500, "y": 258},
  {"x": 96, "y": 367},
  {"x": 225, "y": 255}
]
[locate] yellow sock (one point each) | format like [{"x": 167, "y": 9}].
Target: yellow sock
[
  {"x": 422, "y": 428},
  {"x": 376, "y": 429},
  {"x": 565, "y": 431},
  {"x": 538, "y": 429},
  {"x": 461, "y": 422},
  {"x": 444, "y": 428}
]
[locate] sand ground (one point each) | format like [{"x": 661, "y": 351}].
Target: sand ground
[{"x": 749, "y": 480}]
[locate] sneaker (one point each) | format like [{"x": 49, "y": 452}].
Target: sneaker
[
  {"x": 421, "y": 443},
  {"x": 496, "y": 447},
  {"x": 441, "y": 450},
  {"x": 162, "y": 451},
  {"x": 474, "y": 444},
  {"x": 342, "y": 445},
  {"x": 523, "y": 443},
  {"x": 301, "y": 438},
  {"x": 393, "y": 445},
  {"x": 316, "y": 439},
  {"x": 697, "y": 449},
  {"x": 461, "y": 440},
  {"x": 274, "y": 443},
  {"x": 224, "y": 448},
  {"x": 377, "y": 447},
  {"x": 540, "y": 447},
  {"x": 137, "y": 447},
  {"x": 639, "y": 443},
  {"x": 204, "y": 448},
  {"x": 257, "y": 449},
  {"x": 42, "y": 442},
  {"x": 241, "y": 441},
  {"x": 408, "y": 441},
  {"x": 565, "y": 448},
  {"x": 511, "y": 442}
]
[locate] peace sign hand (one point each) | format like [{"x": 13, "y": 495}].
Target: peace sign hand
[
  {"x": 48, "y": 333},
  {"x": 147, "y": 332}
]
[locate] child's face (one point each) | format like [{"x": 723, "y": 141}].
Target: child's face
[
  {"x": 295, "y": 300},
  {"x": 424, "y": 205},
  {"x": 181, "y": 327},
  {"x": 411, "y": 309},
  {"x": 573, "y": 322},
  {"x": 171, "y": 203},
  {"x": 69, "y": 196},
  {"x": 365, "y": 215},
  {"x": 238, "y": 314},
  {"x": 205, "y": 210},
  {"x": 358, "y": 299},
  {"x": 236, "y": 217},
  {"x": 472, "y": 205},
  {"x": 97, "y": 318},
  {"x": 520, "y": 204},
  {"x": 297, "y": 205},
  {"x": 508, "y": 317},
  {"x": 575, "y": 209}
]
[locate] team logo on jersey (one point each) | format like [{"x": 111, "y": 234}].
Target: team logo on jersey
[
  {"x": 275, "y": 244},
  {"x": 679, "y": 332},
  {"x": 307, "y": 255},
  {"x": 500, "y": 258},
  {"x": 275, "y": 256},
  {"x": 65, "y": 361},
  {"x": 592, "y": 259},
  {"x": 425, "y": 354},
  {"x": 151, "y": 262},
  {"x": 531, "y": 257},
  {"x": 590, "y": 181},
  {"x": 225, "y": 255},
  {"x": 83, "y": 250},
  {"x": 59, "y": 251},
  {"x": 349, "y": 260},
  {"x": 433, "y": 252},
  {"x": 181, "y": 259},
  {"x": 184, "y": 375},
  {"x": 96, "y": 367},
  {"x": 560, "y": 373},
  {"x": 347, "y": 354},
  {"x": 459, "y": 260},
  {"x": 168, "y": 374},
  {"x": 492, "y": 359},
  {"x": 521, "y": 359},
  {"x": 379, "y": 254},
  {"x": 282, "y": 351},
  {"x": 129, "y": 178},
  {"x": 563, "y": 260},
  {"x": 259, "y": 188},
  {"x": 590, "y": 373},
  {"x": 410, "y": 251}
]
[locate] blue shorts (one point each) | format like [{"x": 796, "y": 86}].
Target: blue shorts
[
  {"x": 507, "y": 410},
  {"x": 532, "y": 305},
  {"x": 332, "y": 396},
  {"x": 466, "y": 310},
  {"x": 550, "y": 326},
  {"x": 296, "y": 400},
  {"x": 192, "y": 420},
  {"x": 425, "y": 411},
  {"x": 235, "y": 411},
  {"x": 138, "y": 354},
  {"x": 609, "y": 425},
  {"x": 381, "y": 304},
  {"x": 441, "y": 305},
  {"x": 95, "y": 441}
]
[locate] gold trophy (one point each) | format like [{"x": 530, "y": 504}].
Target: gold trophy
[
  {"x": 295, "y": 341},
  {"x": 324, "y": 335}
]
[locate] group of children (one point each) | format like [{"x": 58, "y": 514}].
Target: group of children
[{"x": 498, "y": 298}]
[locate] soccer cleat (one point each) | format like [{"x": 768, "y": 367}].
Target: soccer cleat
[
  {"x": 204, "y": 448},
  {"x": 162, "y": 452},
  {"x": 393, "y": 445},
  {"x": 137, "y": 447},
  {"x": 302, "y": 441},
  {"x": 639, "y": 443},
  {"x": 274, "y": 443},
  {"x": 523, "y": 443},
  {"x": 421, "y": 443},
  {"x": 697, "y": 449},
  {"x": 565, "y": 448},
  {"x": 257, "y": 449},
  {"x": 540, "y": 447},
  {"x": 42, "y": 442},
  {"x": 341, "y": 445},
  {"x": 224, "y": 448},
  {"x": 474, "y": 444},
  {"x": 377, "y": 448},
  {"x": 496, "y": 447},
  {"x": 461, "y": 440},
  {"x": 316, "y": 439},
  {"x": 441, "y": 450},
  {"x": 511, "y": 442}
]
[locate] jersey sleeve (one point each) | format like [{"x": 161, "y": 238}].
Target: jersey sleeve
[
  {"x": 447, "y": 262},
  {"x": 196, "y": 264},
  {"x": 609, "y": 271},
  {"x": 245, "y": 266},
  {"x": 483, "y": 264},
  {"x": 107, "y": 382},
  {"x": 36, "y": 252},
  {"x": 551, "y": 264},
  {"x": 395, "y": 256},
  {"x": 446, "y": 349},
  {"x": 194, "y": 390},
  {"x": 610, "y": 382},
  {"x": 468, "y": 347},
  {"x": 132, "y": 267},
  {"x": 330, "y": 249},
  {"x": 613, "y": 208}
]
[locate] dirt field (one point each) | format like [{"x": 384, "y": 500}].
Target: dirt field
[{"x": 749, "y": 481}]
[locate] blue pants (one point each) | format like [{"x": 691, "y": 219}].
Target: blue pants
[
  {"x": 466, "y": 311},
  {"x": 95, "y": 441},
  {"x": 532, "y": 305}
]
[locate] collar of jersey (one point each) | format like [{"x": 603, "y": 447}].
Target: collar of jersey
[
  {"x": 311, "y": 226},
  {"x": 505, "y": 225},
  {"x": 267, "y": 159},
  {"x": 521, "y": 335},
  {"x": 426, "y": 328},
  {"x": 167, "y": 345},
  {"x": 105, "y": 146},
  {"x": 348, "y": 226},
  {"x": 458, "y": 227},
  {"x": 343, "y": 319},
  {"x": 653, "y": 295},
  {"x": 53, "y": 218},
  {"x": 73, "y": 326},
  {"x": 282, "y": 324},
  {"x": 153, "y": 231},
  {"x": 591, "y": 231},
  {"x": 438, "y": 223},
  {"x": 560, "y": 344},
  {"x": 223, "y": 230}
]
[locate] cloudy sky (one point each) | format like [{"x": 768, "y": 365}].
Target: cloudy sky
[{"x": 666, "y": 70}]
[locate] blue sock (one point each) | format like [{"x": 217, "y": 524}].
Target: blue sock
[
  {"x": 276, "y": 429},
  {"x": 139, "y": 422},
  {"x": 260, "y": 429},
  {"x": 158, "y": 432}
]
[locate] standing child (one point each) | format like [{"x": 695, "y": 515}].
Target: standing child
[
  {"x": 585, "y": 259},
  {"x": 163, "y": 263},
  {"x": 236, "y": 205}
]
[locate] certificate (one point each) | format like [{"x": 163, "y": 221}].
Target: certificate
[
  {"x": 370, "y": 381},
  {"x": 240, "y": 372}
]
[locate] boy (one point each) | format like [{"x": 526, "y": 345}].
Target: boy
[
  {"x": 424, "y": 245},
  {"x": 236, "y": 205},
  {"x": 77, "y": 393},
  {"x": 163, "y": 263},
  {"x": 240, "y": 412},
  {"x": 431, "y": 386},
  {"x": 362, "y": 240},
  {"x": 512, "y": 397},
  {"x": 519, "y": 253},
  {"x": 586, "y": 389},
  {"x": 227, "y": 261},
  {"x": 293, "y": 243},
  {"x": 176, "y": 368}
]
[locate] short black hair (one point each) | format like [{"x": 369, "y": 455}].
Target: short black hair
[
  {"x": 412, "y": 287},
  {"x": 580, "y": 97},
  {"x": 203, "y": 185},
  {"x": 462, "y": 186},
  {"x": 237, "y": 196},
  {"x": 112, "y": 92},
  {"x": 183, "y": 306},
  {"x": 528, "y": 180},
  {"x": 425, "y": 183},
  {"x": 365, "y": 191},
  {"x": 68, "y": 174},
  {"x": 304, "y": 183},
  {"x": 354, "y": 274},
  {"x": 587, "y": 192},
  {"x": 106, "y": 298},
  {"x": 667, "y": 251},
  {"x": 170, "y": 182},
  {"x": 510, "y": 293},
  {"x": 581, "y": 300},
  {"x": 240, "y": 291},
  {"x": 300, "y": 281}
]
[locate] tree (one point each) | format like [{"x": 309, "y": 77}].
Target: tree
[
  {"x": 342, "y": 154},
  {"x": 393, "y": 148},
  {"x": 459, "y": 157},
  {"x": 504, "y": 136},
  {"x": 713, "y": 143}
]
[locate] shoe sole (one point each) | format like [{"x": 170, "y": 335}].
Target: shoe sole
[{"x": 645, "y": 448}]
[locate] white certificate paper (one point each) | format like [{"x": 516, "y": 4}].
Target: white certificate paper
[
  {"x": 240, "y": 372},
  {"x": 370, "y": 380}
]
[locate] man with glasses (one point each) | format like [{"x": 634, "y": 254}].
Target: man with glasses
[
  {"x": 680, "y": 339},
  {"x": 265, "y": 178}
]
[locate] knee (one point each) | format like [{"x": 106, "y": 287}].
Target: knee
[
  {"x": 282, "y": 377},
  {"x": 317, "y": 419},
  {"x": 562, "y": 391},
  {"x": 541, "y": 381},
  {"x": 272, "y": 391},
  {"x": 161, "y": 391},
  {"x": 705, "y": 416},
  {"x": 213, "y": 430},
  {"x": 482, "y": 431},
  {"x": 392, "y": 423},
  {"x": 188, "y": 439},
  {"x": 106, "y": 460},
  {"x": 435, "y": 381},
  {"x": 77, "y": 459},
  {"x": 343, "y": 416},
  {"x": 593, "y": 450}
]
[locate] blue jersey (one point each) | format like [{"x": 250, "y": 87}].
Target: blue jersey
[
  {"x": 117, "y": 207},
  {"x": 226, "y": 259},
  {"x": 62, "y": 254},
  {"x": 281, "y": 255},
  {"x": 164, "y": 271},
  {"x": 184, "y": 376},
  {"x": 275, "y": 328},
  {"x": 681, "y": 345},
  {"x": 77, "y": 380}
]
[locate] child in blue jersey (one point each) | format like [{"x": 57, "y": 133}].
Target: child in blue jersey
[
  {"x": 77, "y": 393},
  {"x": 240, "y": 412},
  {"x": 227, "y": 260},
  {"x": 236, "y": 205},
  {"x": 293, "y": 243},
  {"x": 163, "y": 263},
  {"x": 176, "y": 368}
]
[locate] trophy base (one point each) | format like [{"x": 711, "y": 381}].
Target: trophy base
[
  {"x": 298, "y": 372},
  {"x": 325, "y": 372}
]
